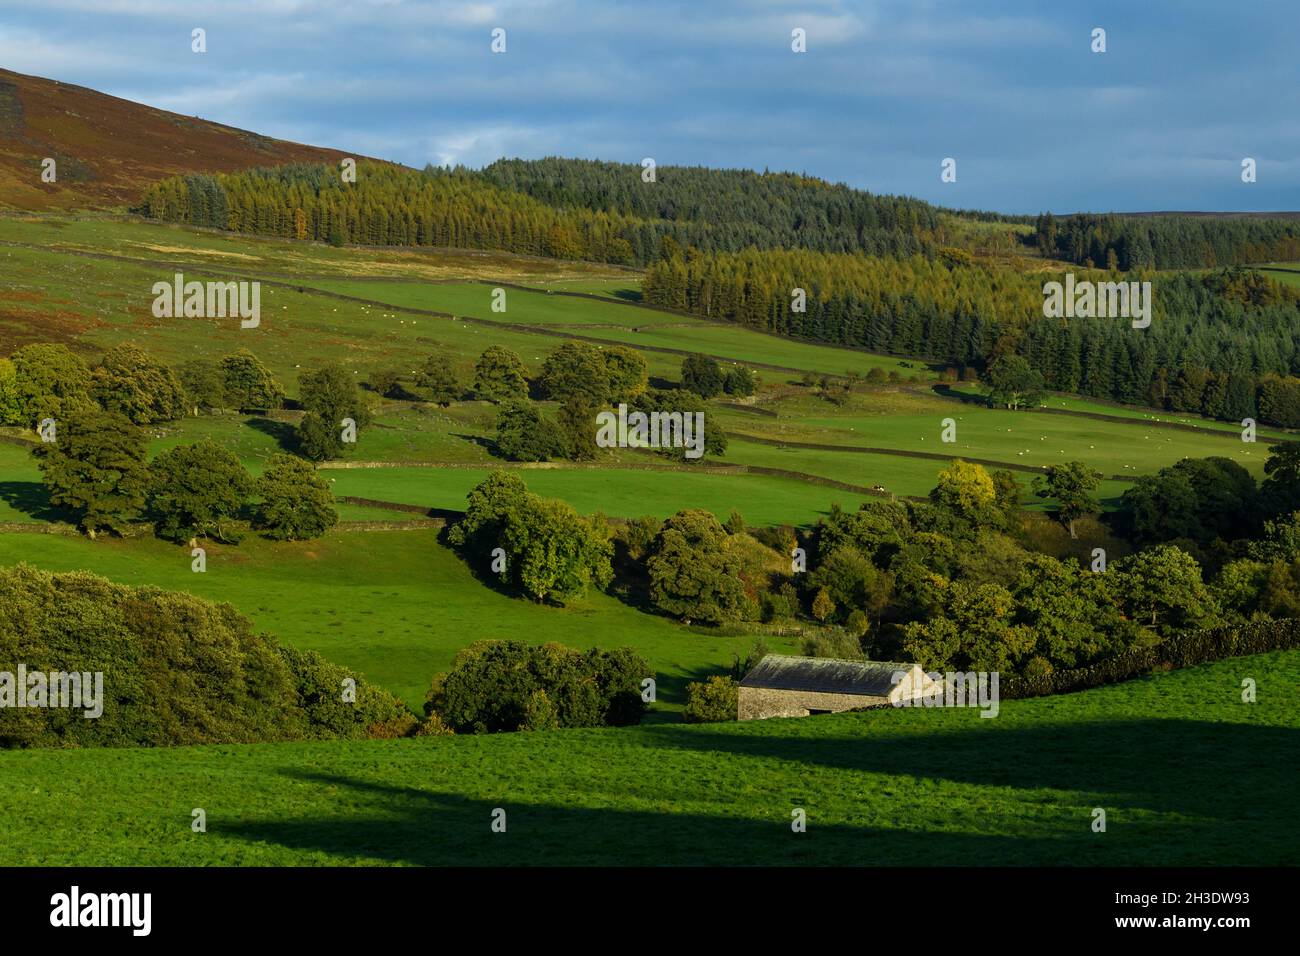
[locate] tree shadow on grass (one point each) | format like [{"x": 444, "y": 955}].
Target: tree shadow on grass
[
  {"x": 1175, "y": 791},
  {"x": 966, "y": 398},
  {"x": 1215, "y": 770},
  {"x": 488, "y": 444},
  {"x": 31, "y": 498},
  {"x": 285, "y": 435},
  {"x": 409, "y": 825}
]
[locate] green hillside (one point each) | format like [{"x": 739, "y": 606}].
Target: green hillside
[{"x": 1187, "y": 775}]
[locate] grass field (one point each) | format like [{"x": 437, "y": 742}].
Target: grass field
[
  {"x": 395, "y": 605},
  {"x": 1187, "y": 775},
  {"x": 641, "y": 327},
  {"x": 1074, "y": 403},
  {"x": 908, "y": 420},
  {"x": 618, "y": 492},
  {"x": 1288, "y": 272}
]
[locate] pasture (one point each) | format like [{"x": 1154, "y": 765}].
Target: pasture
[
  {"x": 394, "y": 605},
  {"x": 1187, "y": 774}
]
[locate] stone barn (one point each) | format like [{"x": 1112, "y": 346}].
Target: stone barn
[{"x": 785, "y": 686}]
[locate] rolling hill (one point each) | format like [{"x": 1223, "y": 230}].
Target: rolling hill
[{"x": 108, "y": 150}]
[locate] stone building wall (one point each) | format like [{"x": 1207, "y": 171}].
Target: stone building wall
[{"x": 758, "y": 702}]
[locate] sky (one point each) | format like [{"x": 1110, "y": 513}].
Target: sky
[{"x": 885, "y": 92}]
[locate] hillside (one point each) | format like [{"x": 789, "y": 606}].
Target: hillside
[
  {"x": 109, "y": 150},
  {"x": 1187, "y": 775}
]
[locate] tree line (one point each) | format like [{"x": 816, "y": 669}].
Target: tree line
[
  {"x": 959, "y": 581},
  {"x": 1166, "y": 242},
  {"x": 1224, "y": 344},
  {"x": 506, "y": 208}
]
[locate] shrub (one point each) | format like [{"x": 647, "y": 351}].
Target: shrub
[
  {"x": 837, "y": 644},
  {"x": 176, "y": 670},
  {"x": 332, "y": 711},
  {"x": 713, "y": 701},
  {"x": 1183, "y": 650},
  {"x": 432, "y": 726},
  {"x": 438, "y": 375},
  {"x": 494, "y": 686},
  {"x": 386, "y": 382},
  {"x": 735, "y": 523},
  {"x": 525, "y": 434},
  {"x": 539, "y": 713},
  {"x": 702, "y": 375}
]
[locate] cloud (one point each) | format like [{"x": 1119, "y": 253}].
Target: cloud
[{"x": 886, "y": 89}]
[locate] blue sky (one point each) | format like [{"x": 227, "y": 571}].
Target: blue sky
[{"x": 885, "y": 91}]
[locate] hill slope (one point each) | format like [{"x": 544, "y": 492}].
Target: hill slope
[
  {"x": 1186, "y": 772},
  {"x": 108, "y": 150}
]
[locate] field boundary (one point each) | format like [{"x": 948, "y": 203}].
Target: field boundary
[
  {"x": 901, "y": 453},
  {"x": 945, "y": 391}
]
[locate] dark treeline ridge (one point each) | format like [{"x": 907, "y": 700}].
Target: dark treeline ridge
[
  {"x": 606, "y": 212},
  {"x": 730, "y": 209},
  {"x": 592, "y": 217},
  {"x": 1166, "y": 242},
  {"x": 1224, "y": 344}
]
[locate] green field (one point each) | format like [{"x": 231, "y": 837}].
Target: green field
[
  {"x": 912, "y": 421},
  {"x": 618, "y": 492},
  {"x": 1288, "y": 272},
  {"x": 1187, "y": 774},
  {"x": 640, "y": 327},
  {"x": 395, "y": 605},
  {"x": 1075, "y": 404}
]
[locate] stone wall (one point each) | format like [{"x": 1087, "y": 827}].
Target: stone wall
[{"x": 758, "y": 702}]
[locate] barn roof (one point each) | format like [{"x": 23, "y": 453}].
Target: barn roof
[{"x": 824, "y": 675}]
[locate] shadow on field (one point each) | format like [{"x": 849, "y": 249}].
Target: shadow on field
[
  {"x": 1175, "y": 792},
  {"x": 488, "y": 444},
  {"x": 285, "y": 435},
  {"x": 31, "y": 498},
  {"x": 966, "y": 398},
  {"x": 409, "y": 826},
  {"x": 1215, "y": 770}
]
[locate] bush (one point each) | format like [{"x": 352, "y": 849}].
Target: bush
[
  {"x": 1183, "y": 650},
  {"x": 330, "y": 713},
  {"x": 540, "y": 713},
  {"x": 525, "y": 434},
  {"x": 836, "y": 644},
  {"x": 176, "y": 670},
  {"x": 496, "y": 686},
  {"x": 432, "y": 726},
  {"x": 714, "y": 701}
]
